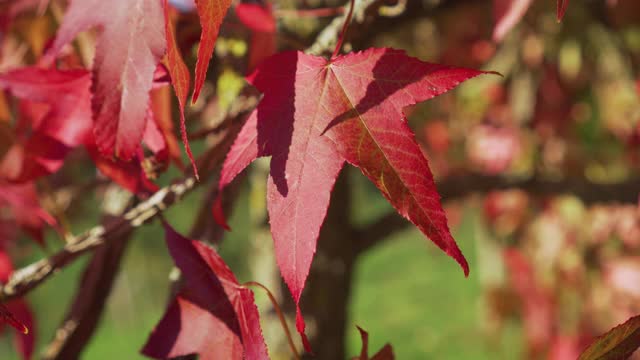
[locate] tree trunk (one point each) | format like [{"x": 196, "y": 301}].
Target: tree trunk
[{"x": 326, "y": 297}]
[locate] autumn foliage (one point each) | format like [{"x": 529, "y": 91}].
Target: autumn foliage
[{"x": 92, "y": 91}]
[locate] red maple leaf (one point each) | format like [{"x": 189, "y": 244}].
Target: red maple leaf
[
  {"x": 213, "y": 315},
  {"x": 130, "y": 46},
  {"x": 315, "y": 115}
]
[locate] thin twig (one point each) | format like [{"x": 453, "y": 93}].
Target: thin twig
[{"x": 278, "y": 311}]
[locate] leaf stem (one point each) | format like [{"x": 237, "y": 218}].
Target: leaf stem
[
  {"x": 343, "y": 33},
  {"x": 278, "y": 310}
]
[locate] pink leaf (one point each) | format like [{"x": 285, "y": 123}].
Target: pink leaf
[
  {"x": 507, "y": 14},
  {"x": 130, "y": 46}
]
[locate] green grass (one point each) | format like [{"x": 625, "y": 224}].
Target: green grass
[{"x": 410, "y": 294}]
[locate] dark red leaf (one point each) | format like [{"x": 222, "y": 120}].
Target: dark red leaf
[
  {"x": 24, "y": 341},
  {"x": 130, "y": 46},
  {"x": 537, "y": 305},
  {"x": 386, "y": 353},
  {"x": 617, "y": 344},
  {"x": 256, "y": 17},
  {"x": 314, "y": 116},
  {"x": 17, "y": 314},
  {"x": 211, "y": 13},
  {"x": 213, "y": 315},
  {"x": 561, "y": 9}
]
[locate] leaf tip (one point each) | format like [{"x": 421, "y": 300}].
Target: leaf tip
[{"x": 218, "y": 214}]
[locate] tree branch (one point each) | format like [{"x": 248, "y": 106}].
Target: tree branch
[
  {"x": 27, "y": 278},
  {"x": 461, "y": 185}
]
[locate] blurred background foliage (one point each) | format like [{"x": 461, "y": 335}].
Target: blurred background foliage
[{"x": 548, "y": 271}]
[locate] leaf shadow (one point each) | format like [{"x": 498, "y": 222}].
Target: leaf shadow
[
  {"x": 276, "y": 114},
  {"x": 392, "y": 72}
]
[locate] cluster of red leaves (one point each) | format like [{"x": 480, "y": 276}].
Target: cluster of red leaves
[
  {"x": 547, "y": 282},
  {"x": 316, "y": 115}
]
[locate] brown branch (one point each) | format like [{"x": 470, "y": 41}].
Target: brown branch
[
  {"x": 85, "y": 312},
  {"x": 27, "y": 278},
  {"x": 459, "y": 186}
]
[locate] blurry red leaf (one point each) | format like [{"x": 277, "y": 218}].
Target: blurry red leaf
[
  {"x": 55, "y": 117},
  {"x": 218, "y": 213},
  {"x": 213, "y": 315},
  {"x": 180, "y": 79},
  {"x": 24, "y": 209},
  {"x": 161, "y": 108},
  {"x": 128, "y": 174},
  {"x": 130, "y": 46},
  {"x": 211, "y": 13},
  {"x": 564, "y": 347},
  {"x": 260, "y": 20},
  {"x": 154, "y": 139},
  {"x": 261, "y": 47},
  {"x": 617, "y": 344},
  {"x": 317, "y": 114},
  {"x": 17, "y": 314},
  {"x": 507, "y": 13},
  {"x": 561, "y": 8},
  {"x": 537, "y": 306},
  {"x": 492, "y": 149},
  {"x": 386, "y": 353},
  {"x": 256, "y": 17},
  {"x": 10, "y": 319}
]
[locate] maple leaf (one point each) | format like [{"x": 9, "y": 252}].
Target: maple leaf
[
  {"x": 130, "y": 46},
  {"x": 315, "y": 115},
  {"x": 55, "y": 118},
  {"x": 213, "y": 315},
  {"x": 211, "y": 14}
]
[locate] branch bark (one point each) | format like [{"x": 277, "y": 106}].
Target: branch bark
[
  {"x": 461, "y": 185},
  {"x": 85, "y": 311}
]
